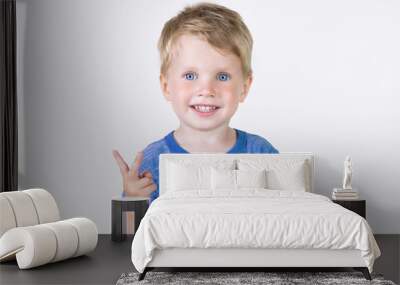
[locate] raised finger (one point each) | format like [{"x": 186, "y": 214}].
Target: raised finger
[
  {"x": 123, "y": 166},
  {"x": 136, "y": 164}
]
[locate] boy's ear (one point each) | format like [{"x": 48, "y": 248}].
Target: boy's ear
[
  {"x": 246, "y": 88},
  {"x": 164, "y": 87}
]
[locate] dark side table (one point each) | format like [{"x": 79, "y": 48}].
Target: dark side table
[
  {"x": 357, "y": 206},
  {"x": 119, "y": 205}
]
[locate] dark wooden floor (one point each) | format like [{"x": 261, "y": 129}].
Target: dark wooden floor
[{"x": 111, "y": 259}]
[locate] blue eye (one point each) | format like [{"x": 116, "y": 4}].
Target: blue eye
[
  {"x": 190, "y": 76},
  {"x": 223, "y": 76}
]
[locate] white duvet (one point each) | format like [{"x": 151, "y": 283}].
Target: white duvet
[{"x": 251, "y": 218}]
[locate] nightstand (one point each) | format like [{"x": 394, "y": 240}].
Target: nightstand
[
  {"x": 357, "y": 206},
  {"x": 119, "y": 205}
]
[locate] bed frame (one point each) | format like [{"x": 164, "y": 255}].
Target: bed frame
[{"x": 243, "y": 259}]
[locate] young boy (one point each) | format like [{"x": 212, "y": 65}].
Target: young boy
[{"x": 205, "y": 73}]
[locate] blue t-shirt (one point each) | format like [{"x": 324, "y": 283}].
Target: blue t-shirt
[{"x": 245, "y": 143}]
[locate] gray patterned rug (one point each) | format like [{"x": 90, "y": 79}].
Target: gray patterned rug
[{"x": 270, "y": 278}]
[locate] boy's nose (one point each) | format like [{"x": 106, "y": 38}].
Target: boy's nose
[
  {"x": 207, "y": 89},
  {"x": 207, "y": 94}
]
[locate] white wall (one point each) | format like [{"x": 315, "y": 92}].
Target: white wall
[{"x": 326, "y": 81}]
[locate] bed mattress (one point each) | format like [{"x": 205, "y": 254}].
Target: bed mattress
[{"x": 250, "y": 219}]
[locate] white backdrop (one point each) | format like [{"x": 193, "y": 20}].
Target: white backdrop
[{"x": 326, "y": 80}]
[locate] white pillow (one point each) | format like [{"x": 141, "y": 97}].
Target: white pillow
[
  {"x": 223, "y": 179},
  {"x": 192, "y": 175},
  {"x": 251, "y": 178},
  {"x": 282, "y": 174},
  {"x": 288, "y": 179},
  {"x": 186, "y": 177},
  {"x": 237, "y": 179}
]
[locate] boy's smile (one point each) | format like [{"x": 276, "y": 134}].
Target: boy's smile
[
  {"x": 204, "y": 85},
  {"x": 205, "y": 110}
]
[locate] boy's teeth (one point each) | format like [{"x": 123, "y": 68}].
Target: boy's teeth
[{"x": 202, "y": 108}]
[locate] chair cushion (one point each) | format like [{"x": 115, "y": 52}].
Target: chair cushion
[
  {"x": 45, "y": 205},
  {"x": 27, "y": 208},
  {"x": 40, "y": 244},
  {"x": 7, "y": 215},
  {"x": 24, "y": 211}
]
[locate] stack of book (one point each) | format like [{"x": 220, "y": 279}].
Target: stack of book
[{"x": 344, "y": 194}]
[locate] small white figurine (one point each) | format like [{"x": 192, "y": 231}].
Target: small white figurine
[{"x": 348, "y": 172}]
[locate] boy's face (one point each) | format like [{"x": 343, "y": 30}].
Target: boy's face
[{"x": 204, "y": 86}]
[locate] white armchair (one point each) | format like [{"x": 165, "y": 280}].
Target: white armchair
[{"x": 32, "y": 233}]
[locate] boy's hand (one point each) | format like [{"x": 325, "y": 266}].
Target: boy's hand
[{"x": 133, "y": 183}]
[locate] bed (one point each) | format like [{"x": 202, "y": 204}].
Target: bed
[{"x": 247, "y": 210}]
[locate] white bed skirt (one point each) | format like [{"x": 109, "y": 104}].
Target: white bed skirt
[{"x": 236, "y": 257}]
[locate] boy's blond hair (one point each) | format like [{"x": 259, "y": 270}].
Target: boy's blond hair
[{"x": 221, "y": 27}]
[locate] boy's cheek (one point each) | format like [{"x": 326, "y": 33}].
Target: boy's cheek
[
  {"x": 178, "y": 88},
  {"x": 181, "y": 97}
]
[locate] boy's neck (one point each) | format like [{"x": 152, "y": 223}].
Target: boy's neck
[{"x": 217, "y": 140}]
